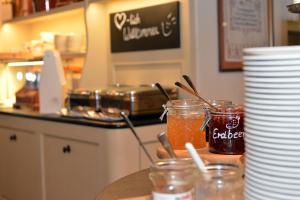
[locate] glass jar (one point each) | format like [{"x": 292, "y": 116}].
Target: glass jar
[
  {"x": 184, "y": 119},
  {"x": 173, "y": 179},
  {"x": 225, "y": 182},
  {"x": 226, "y": 130}
]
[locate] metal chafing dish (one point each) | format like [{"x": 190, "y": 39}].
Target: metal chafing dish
[
  {"x": 136, "y": 100},
  {"x": 84, "y": 100}
]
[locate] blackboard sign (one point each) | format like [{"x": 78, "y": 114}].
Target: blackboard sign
[{"x": 155, "y": 27}]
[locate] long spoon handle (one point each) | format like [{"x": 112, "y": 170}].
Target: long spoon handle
[
  {"x": 136, "y": 136},
  {"x": 193, "y": 93},
  {"x": 163, "y": 91},
  {"x": 189, "y": 81}
]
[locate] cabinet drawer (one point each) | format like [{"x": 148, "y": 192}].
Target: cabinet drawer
[{"x": 71, "y": 169}]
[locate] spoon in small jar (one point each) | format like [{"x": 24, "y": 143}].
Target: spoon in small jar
[
  {"x": 130, "y": 125},
  {"x": 163, "y": 139}
]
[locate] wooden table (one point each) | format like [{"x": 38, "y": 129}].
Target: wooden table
[
  {"x": 136, "y": 186},
  {"x": 204, "y": 154}
]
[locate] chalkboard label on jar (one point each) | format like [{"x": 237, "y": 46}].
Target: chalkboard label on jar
[{"x": 150, "y": 28}]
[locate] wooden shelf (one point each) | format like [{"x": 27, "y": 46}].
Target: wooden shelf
[
  {"x": 15, "y": 57},
  {"x": 44, "y": 15}
]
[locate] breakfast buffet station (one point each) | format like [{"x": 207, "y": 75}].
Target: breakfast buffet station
[{"x": 99, "y": 97}]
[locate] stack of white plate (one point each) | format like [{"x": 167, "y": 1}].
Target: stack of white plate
[{"x": 272, "y": 122}]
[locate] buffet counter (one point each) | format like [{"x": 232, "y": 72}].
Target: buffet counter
[
  {"x": 67, "y": 158},
  {"x": 137, "y": 121}
]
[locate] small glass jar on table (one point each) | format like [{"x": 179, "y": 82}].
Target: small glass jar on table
[
  {"x": 184, "y": 120},
  {"x": 224, "y": 182},
  {"x": 226, "y": 130},
  {"x": 173, "y": 179}
]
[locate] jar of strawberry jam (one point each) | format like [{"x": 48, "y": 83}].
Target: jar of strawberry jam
[{"x": 226, "y": 130}]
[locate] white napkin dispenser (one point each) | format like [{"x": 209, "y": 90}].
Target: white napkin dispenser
[{"x": 52, "y": 83}]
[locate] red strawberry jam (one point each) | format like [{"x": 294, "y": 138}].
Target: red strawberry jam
[{"x": 226, "y": 130}]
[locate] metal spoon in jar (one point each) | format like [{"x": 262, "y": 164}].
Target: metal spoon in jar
[
  {"x": 163, "y": 139},
  {"x": 130, "y": 125},
  {"x": 163, "y": 91},
  {"x": 185, "y": 88}
]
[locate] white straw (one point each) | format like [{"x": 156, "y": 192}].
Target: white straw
[{"x": 192, "y": 151}]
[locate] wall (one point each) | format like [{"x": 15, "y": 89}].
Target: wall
[
  {"x": 213, "y": 84},
  {"x": 103, "y": 67}
]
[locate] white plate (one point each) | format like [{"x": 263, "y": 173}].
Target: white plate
[
  {"x": 283, "y": 163},
  {"x": 272, "y": 63},
  {"x": 273, "y": 102},
  {"x": 272, "y": 74},
  {"x": 253, "y": 195},
  {"x": 270, "y": 156},
  {"x": 261, "y": 135},
  {"x": 281, "y": 57},
  {"x": 279, "y": 169},
  {"x": 273, "y": 119},
  {"x": 272, "y": 107},
  {"x": 260, "y": 124},
  {"x": 283, "y": 147},
  {"x": 291, "y": 80},
  {"x": 262, "y": 149},
  {"x": 268, "y": 68},
  {"x": 273, "y": 113},
  {"x": 272, "y": 91},
  {"x": 275, "y": 50},
  {"x": 271, "y": 192},
  {"x": 273, "y": 96},
  {"x": 252, "y": 177},
  {"x": 294, "y": 183},
  {"x": 273, "y": 85}
]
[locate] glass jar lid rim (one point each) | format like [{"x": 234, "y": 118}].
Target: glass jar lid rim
[{"x": 185, "y": 103}]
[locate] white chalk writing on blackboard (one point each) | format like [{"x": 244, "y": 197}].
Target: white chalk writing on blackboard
[{"x": 131, "y": 30}]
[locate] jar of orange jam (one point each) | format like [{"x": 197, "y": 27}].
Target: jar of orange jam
[{"x": 184, "y": 120}]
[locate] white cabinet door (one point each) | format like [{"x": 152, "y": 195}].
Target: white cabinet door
[
  {"x": 71, "y": 169},
  {"x": 4, "y": 140},
  {"x": 21, "y": 165}
]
